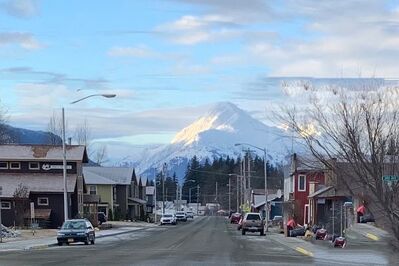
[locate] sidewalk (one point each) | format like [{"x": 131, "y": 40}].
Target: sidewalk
[
  {"x": 368, "y": 231},
  {"x": 46, "y": 238},
  {"x": 300, "y": 245}
]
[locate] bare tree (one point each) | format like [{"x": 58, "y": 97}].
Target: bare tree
[
  {"x": 4, "y": 136},
  {"x": 355, "y": 135},
  {"x": 21, "y": 195},
  {"x": 54, "y": 127},
  {"x": 83, "y": 134},
  {"x": 100, "y": 155}
]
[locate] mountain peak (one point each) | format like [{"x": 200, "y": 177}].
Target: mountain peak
[{"x": 222, "y": 116}]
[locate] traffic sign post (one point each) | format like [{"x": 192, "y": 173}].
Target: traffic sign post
[{"x": 389, "y": 178}]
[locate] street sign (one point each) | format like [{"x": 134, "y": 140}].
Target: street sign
[{"x": 388, "y": 178}]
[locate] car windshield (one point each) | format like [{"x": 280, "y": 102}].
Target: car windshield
[
  {"x": 180, "y": 213},
  {"x": 253, "y": 217},
  {"x": 167, "y": 215},
  {"x": 74, "y": 225}
]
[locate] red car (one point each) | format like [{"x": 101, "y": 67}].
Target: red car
[{"x": 235, "y": 218}]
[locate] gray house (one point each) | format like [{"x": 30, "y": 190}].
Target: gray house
[
  {"x": 121, "y": 192},
  {"x": 33, "y": 174}
]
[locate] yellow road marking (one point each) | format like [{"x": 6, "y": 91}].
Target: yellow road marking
[
  {"x": 372, "y": 237},
  {"x": 304, "y": 251}
]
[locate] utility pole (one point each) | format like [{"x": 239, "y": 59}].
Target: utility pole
[
  {"x": 198, "y": 187},
  {"x": 155, "y": 196},
  {"x": 266, "y": 191},
  {"x": 229, "y": 195},
  {"x": 177, "y": 197},
  {"x": 249, "y": 177},
  {"x": 244, "y": 180},
  {"x": 216, "y": 192},
  {"x": 163, "y": 188},
  {"x": 1, "y": 225},
  {"x": 238, "y": 206}
]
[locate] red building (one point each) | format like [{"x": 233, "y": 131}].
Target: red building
[{"x": 301, "y": 180}]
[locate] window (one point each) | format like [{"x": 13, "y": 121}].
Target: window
[
  {"x": 114, "y": 193},
  {"x": 3, "y": 165},
  {"x": 292, "y": 184},
  {"x": 15, "y": 165},
  {"x": 42, "y": 201},
  {"x": 34, "y": 166},
  {"x": 93, "y": 190},
  {"x": 1, "y": 190},
  {"x": 302, "y": 183},
  {"x": 5, "y": 205}
]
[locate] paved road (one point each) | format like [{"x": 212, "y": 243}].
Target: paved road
[{"x": 204, "y": 241}]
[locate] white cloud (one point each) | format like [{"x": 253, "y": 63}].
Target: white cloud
[
  {"x": 140, "y": 51},
  {"x": 191, "y": 30},
  {"x": 23, "y": 39},
  {"x": 20, "y": 8}
]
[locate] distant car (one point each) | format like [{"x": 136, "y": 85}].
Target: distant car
[
  {"x": 253, "y": 222},
  {"x": 235, "y": 218},
  {"x": 168, "y": 219},
  {"x": 181, "y": 216},
  {"x": 190, "y": 214},
  {"x": 102, "y": 218},
  {"x": 76, "y": 230}
]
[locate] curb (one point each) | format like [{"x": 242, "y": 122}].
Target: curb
[
  {"x": 44, "y": 246},
  {"x": 372, "y": 236},
  {"x": 296, "y": 248}
]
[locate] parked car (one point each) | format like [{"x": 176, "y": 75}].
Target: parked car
[
  {"x": 76, "y": 230},
  {"x": 190, "y": 214},
  {"x": 235, "y": 218},
  {"x": 253, "y": 222},
  {"x": 181, "y": 216},
  {"x": 168, "y": 219},
  {"x": 102, "y": 218}
]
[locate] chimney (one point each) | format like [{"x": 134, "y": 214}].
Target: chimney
[{"x": 69, "y": 141}]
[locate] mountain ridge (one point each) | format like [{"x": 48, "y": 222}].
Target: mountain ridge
[{"x": 214, "y": 135}]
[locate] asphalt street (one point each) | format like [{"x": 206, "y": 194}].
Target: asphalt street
[{"x": 203, "y": 241}]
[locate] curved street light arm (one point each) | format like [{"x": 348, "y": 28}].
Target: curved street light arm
[{"x": 94, "y": 95}]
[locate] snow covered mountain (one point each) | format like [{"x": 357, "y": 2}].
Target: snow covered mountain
[{"x": 214, "y": 135}]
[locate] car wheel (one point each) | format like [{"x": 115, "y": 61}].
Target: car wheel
[
  {"x": 59, "y": 243},
  {"x": 87, "y": 240},
  {"x": 243, "y": 232}
]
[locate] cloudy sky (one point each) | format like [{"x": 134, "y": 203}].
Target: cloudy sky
[{"x": 168, "y": 60}]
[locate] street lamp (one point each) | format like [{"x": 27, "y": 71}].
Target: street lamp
[
  {"x": 265, "y": 171},
  {"x": 64, "y": 163}
]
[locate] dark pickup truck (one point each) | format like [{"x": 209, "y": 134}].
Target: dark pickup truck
[{"x": 253, "y": 222}]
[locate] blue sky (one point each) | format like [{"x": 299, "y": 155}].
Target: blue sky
[{"x": 169, "y": 60}]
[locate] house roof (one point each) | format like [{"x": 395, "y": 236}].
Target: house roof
[
  {"x": 320, "y": 191},
  {"x": 36, "y": 183},
  {"x": 150, "y": 190},
  {"x": 259, "y": 200},
  {"x": 117, "y": 175},
  {"x": 329, "y": 192},
  {"x": 42, "y": 152},
  {"x": 261, "y": 191},
  {"x": 95, "y": 179}
]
